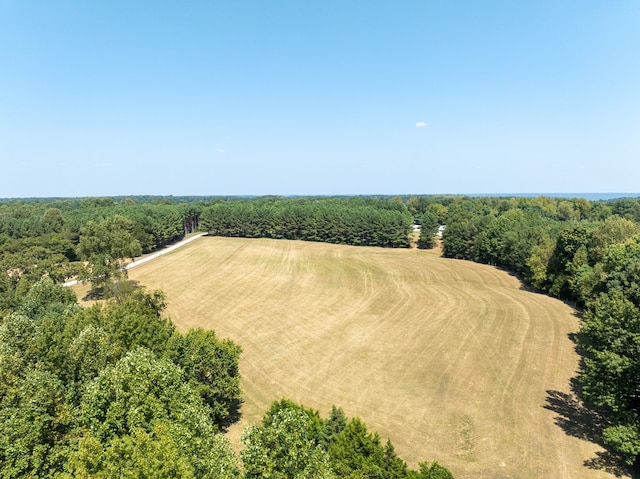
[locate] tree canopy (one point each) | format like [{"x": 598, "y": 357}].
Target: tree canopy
[
  {"x": 295, "y": 442},
  {"x": 352, "y": 221},
  {"x": 587, "y": 253},
  {"x": 85, "y": 392}
]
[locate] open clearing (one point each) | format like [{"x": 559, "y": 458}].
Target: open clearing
[{"x": 449, "y": 359}]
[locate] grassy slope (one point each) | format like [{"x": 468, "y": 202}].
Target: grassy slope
[{"x": 449, "y": 359}]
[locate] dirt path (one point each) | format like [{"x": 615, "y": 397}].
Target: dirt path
[{"x": 151, "y": 256}]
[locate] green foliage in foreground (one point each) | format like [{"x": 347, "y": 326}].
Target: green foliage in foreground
[
  {"x": 114, "y": 391},
  {"x": 139, "y": 410},
  {"x": 111, "y": 391},
  {"x": 295, "y": 442},
  {"x": 611, "y": 330}
]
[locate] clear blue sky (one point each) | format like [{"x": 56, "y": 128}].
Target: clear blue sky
[{"x": 318, "y": 97}]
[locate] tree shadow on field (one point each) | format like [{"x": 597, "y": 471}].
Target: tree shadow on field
[
  {"x": 234, "y": 415},
  {"x": 116, "y": 290},
  {"x": 94, "y": 294},
  {"x": 524, "y": 286},
  {"x": 585, "y": 422}
]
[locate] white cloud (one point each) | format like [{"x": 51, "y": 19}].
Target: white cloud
[
  {"x": 220, "y": 150},
  {"x": 421, "y": 124}
]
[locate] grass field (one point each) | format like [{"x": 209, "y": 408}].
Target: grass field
[{"x": 451, "y": 360}]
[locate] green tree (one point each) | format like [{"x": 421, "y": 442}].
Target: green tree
[
  {"x": 134, "y": 321},
  {"x": 461, "y": 236},
  {"x": 434, "y": 471},
  {"x": 140, "y": 392},
  {"x": 610, "y": 377},
  {"x": 611, "y": 331},
  {"x": 46, "y": 296},
  {"x": 355, "y": 452},
  {"x": 571, "y": 242},
  {"x": 567, "y": 211},
  {"x": 53, "y": 220},
  {"x": 142, "y": 454},
  {"x": 210, "y": 365},
  {"x": 612, "y": 230},
  {"x": 90, "y": 352},
  {"x": 105, "y": 245},
  {"x": 35, "y": 424},
  {"x": 622, "y": 268},
  {"x": 295, "y": 441},
  {"x": 335, "y": 423},
  {"x": 284, "y": 449},
  {"x": 428, "y": 230}
]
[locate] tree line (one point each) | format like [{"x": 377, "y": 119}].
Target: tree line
[
  {"x": 90, "y": 238},
  {"x": 61, "y": 239},
  {"x": 350, "y": 221},
  {"x": 113, "y": 390},
  {"x": 584, "y": 252}
]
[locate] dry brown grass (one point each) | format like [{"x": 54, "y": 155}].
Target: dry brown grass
[{"x": 451, "y": 360}]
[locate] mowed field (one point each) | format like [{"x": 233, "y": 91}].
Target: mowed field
[{"x": 451, "y": 360}]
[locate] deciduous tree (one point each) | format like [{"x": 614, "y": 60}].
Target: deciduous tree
[{"x": 104, "y": 246}]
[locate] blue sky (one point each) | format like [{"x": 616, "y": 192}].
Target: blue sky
[{"x": 318, "y": 97}]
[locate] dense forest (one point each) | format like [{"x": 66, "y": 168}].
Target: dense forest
[
  {"x": 113, "y": 390},
  {"x": 351, "y": 221}
]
